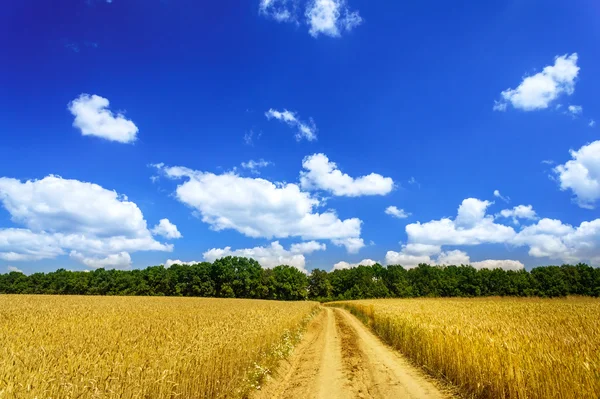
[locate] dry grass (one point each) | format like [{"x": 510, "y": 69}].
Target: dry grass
[
  {"x": 116, "y": 347},
  {"x": 497, "y": 348}
]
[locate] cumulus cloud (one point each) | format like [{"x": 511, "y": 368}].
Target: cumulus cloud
[
  {"x": 306, "y": 131},
  {"x": 454, "y": 257},
  {"x": 121, "y": 260},
  {"x": 592, "y": 123},
  {"x": 514, "y": 265},
  {"x": 581, "y": 175},
  {"x": 279, "y": 10},
  {"x": 323, "y": 17},
  {"x": 575, "y": 110},
  {"x": 307, "y": 247},
  {"x": 547, "y": 238},
  {"x": 412, "y": 255},
  {"x": 55, "y": 204},
  {"x": 345, "y": 265},
  {"x": 556, "y": 240},
  {"x": 397, "y": 213},
  {"x": 269, "y": 256},
  {"x": 321, "y": 174},
  {"x": 254, "y": 166},
  {"x": 353, "y": 245},
  {"x": 519, "y": 212},
  {"x": 470, "y": 227},
  {"x": 166, "y": 229},
  {"x": 540, "y": 90},
  {"x": 14, "y": 269},
  {"x": 503, "y": 198},
  {"x": 61, "y": 214},
  {"x": 331, "y": 17},
  {"x": 259, "y": 208},
  {"x": 171, "y": 262},
  {"x": 93, "y": 118},
  {"x": 18, "y": 245}
]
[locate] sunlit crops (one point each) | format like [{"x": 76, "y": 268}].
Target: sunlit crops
[
  {"x": 497, "y": 348},
  {"x": 119, "y": 347}
]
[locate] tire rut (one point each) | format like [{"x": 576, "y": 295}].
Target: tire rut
[{"x": 339, "y": 358}]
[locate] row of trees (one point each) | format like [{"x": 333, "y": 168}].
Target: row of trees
[{"x": 234, "y": 277}]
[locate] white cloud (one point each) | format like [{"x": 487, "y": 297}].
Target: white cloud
[
  {"x": 575, "y": 110},
  {"x": 171, "y": 262},
  {"x": 268, "y": 257},
  {"x": 592, "y": 123},
  {"x": 307, "y": 247},
  {"x": 166, "y": 229},
  {"x": 121, "y": 260},
  {"x": 63, "y": 214},
  {"x": 259, "y": 208},
  {"x": 54, "y": 204},
  {"x": 324, "y": 175},
  {"x": 306, "y": 131},
  {"x": 93, "y": 118},
  {"x": 453, "y": 258},
  {"x": 346, "y": 265},
  {"x": 407, "y": 261},
  {"x": 415, "y": 249},
  {"x": 556, "y": 240},
  {"x": 353, "y": 245},
  {"x": 540, "y": 90},
  {"x": 18, "y": 245},
  {"x": 548, "y": 162},
  {"x": 500, "y": 106},
  {"x": 582, "y": 175},
  {"x": 471, "y": 227},
  {"x": 498, "y": 195},
  {"x": 471, "y": 212},
  {"x": 279, "y": 10},
  {"x": 519, "y": 212},
  {"x": 331, "y": 17},
  {"x": 546, "y": 238},
  {"x": 412, "y": 255},
  {"x": 254, "y": 166},
  {"x": 14, "y": 269},
  {"x": 514, "y": 265},
  {"x": 397, "y": 213}
]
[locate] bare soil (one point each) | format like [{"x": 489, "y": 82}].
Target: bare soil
[{"x": 340, "y": 358}]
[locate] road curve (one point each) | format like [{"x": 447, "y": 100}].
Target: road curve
[{"x": 339, "y": 358}]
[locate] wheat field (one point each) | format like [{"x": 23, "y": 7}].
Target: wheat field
[
  {"x": 496, "y": 347},
  {"x": 124, "y": 347}
]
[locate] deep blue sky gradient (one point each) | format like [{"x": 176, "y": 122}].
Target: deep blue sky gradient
[{"x": 409, "y": 93}]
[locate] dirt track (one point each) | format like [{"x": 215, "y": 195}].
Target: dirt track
[{"x": 340, "y": 358}]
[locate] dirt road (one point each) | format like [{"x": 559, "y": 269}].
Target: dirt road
[{"x": 340, "y": 358}]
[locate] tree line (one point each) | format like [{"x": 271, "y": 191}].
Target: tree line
[{"x": 235, "y": 277}]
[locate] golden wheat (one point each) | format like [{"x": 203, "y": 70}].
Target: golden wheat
[
  {"x": 494, "y": 347},
  {"x": 117, "y": 347}
]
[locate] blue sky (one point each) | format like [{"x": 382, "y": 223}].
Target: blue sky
[{"x": 117, "y": 115}]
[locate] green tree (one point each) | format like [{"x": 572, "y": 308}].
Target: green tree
[{"x": 319, "y": 285}]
